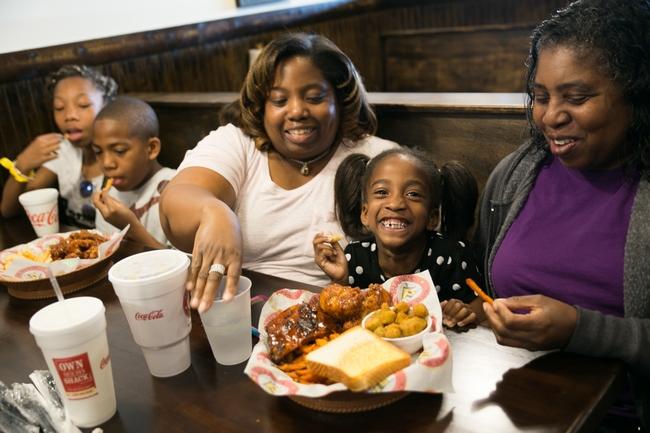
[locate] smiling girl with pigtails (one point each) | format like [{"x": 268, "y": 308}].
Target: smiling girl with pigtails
[{"x": 407, "y": 216}]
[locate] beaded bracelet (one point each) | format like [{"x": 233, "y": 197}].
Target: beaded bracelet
[{"x": 13, "y": 170}]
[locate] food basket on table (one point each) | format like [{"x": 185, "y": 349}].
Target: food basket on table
[
  {"x": 429, "y": 371},
  {"x": 23, "y": 268}
]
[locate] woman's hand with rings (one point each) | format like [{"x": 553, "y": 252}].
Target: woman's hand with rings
[
  {"x": 217, "y": 268},
  {"x": 216, "y": 253}
]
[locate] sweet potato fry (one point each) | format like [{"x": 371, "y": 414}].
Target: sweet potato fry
[
  {"x": 292, "y": 366},
  {"x": 297, "y": 369},
  {"x": 480, "y": 293}
]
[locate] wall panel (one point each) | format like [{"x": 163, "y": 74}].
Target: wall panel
[{"x": 213, "y": 56}]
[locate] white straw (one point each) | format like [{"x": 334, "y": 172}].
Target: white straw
[{"x": 55, "y": 285}]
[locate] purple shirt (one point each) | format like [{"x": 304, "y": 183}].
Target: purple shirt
[{"x": 568, "y": 241}]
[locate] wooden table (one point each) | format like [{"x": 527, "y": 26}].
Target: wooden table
[{"x": 498, "y": 389}]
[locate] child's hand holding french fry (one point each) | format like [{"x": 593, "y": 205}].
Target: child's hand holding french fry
[
  {"x": 329, "y": 256},
  {"x": 113, "y": 210}
]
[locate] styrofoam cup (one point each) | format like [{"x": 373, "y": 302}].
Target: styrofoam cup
[
  {"x": 41, "y": 206},
  {"x": 227, "y": 325},
  {"x": 151, "y": 289},
  {"x": 72, "y": 337}
]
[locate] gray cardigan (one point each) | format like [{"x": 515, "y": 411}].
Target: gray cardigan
[{"x": 596, "y": 334}]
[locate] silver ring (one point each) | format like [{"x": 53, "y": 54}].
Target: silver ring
[{"x": 218, "y": 268}]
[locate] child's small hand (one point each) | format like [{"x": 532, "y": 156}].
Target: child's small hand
[
  {"x": 42, "y": 149},
  {"x": 329, "y": 256},
  {"x": 455, "y": 313},
  {"x": 113, "y": 210}
]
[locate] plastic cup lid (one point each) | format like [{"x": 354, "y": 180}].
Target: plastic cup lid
[
  {"x": 148, "y": 266},
  {"x": 73, "y": 315},
  {"x": 38, "y": 196}
]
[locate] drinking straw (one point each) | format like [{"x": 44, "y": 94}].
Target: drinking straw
[
  {"x": 55, "y": 284},
  {"x": 480, "y": 293}
]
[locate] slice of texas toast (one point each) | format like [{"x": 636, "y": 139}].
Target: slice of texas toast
[{"x": 357, "y": 358}]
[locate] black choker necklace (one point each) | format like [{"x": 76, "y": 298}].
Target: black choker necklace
[{"x": 304, "y": 165}]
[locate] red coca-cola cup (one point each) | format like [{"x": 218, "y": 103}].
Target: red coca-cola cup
[
  {"x": 151, "y": 289},
  {"x": 41, "y": 206}
]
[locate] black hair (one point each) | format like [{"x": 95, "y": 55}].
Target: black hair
[
  {"x": 136, "y": 114},
  {"x": 613, "y": 36},
  {"x": 357, "y": 118},
  {"x": 230, "y": 113},
  {"x": 453, "y": 188},
  {"x": 103, "y": 83}
]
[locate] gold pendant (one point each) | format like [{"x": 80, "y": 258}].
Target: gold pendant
[{"x": 304, "y": 170}]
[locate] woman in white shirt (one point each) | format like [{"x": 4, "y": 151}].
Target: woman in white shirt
[{"x": 254, "y": 195}]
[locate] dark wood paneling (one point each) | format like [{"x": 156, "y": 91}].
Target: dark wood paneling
[
  {"x": 181, "y": 133},
  {"x": 464, "y": 59},
  {"x": 212, "y": 56},
  {"x": 185, "y": 118}
]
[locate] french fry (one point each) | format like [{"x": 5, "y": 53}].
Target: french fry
[
  {"x": 309, "y": 348},
  {"x": 109, "y": 184},
  {"x": 297, "y": 369},
  {"x": 480, "y": 293},
  {"x": 43, "y": 257},
  {"x": 335, "y": 237},
  {"x": 292, "y": 366},
  {"x": 303, "y": 372}
]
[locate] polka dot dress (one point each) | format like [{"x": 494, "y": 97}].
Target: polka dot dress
[{"x": 449, "y": 262}]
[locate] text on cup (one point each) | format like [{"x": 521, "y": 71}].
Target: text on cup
[{"x": 151, "y": 315}]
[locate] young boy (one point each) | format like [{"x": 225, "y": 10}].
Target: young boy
[{"x": 126, "y": 143}]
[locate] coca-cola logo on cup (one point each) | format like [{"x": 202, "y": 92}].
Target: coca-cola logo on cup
[
  {"x": 151, "y": 315},
  {"x": 44, "y": 219}
]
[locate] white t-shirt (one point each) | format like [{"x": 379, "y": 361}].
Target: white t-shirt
[
  {"x": 143, "y": 202},
  {"x": 278, "y": 225},
  {"x": 67, "y": 167}
]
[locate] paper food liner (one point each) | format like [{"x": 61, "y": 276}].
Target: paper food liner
[
  {"x": 430, "y": 370},
  {"x": 22, "y": 268}
]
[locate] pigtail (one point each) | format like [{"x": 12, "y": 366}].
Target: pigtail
[
  {"x": 348, "y": 194},
  {"x": 458, "y": 198}
]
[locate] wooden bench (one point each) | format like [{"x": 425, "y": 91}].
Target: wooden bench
[{"x": 477, "y": 129}]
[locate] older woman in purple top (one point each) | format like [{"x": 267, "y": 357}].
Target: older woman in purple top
[{"x": 564, "y": 227}]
